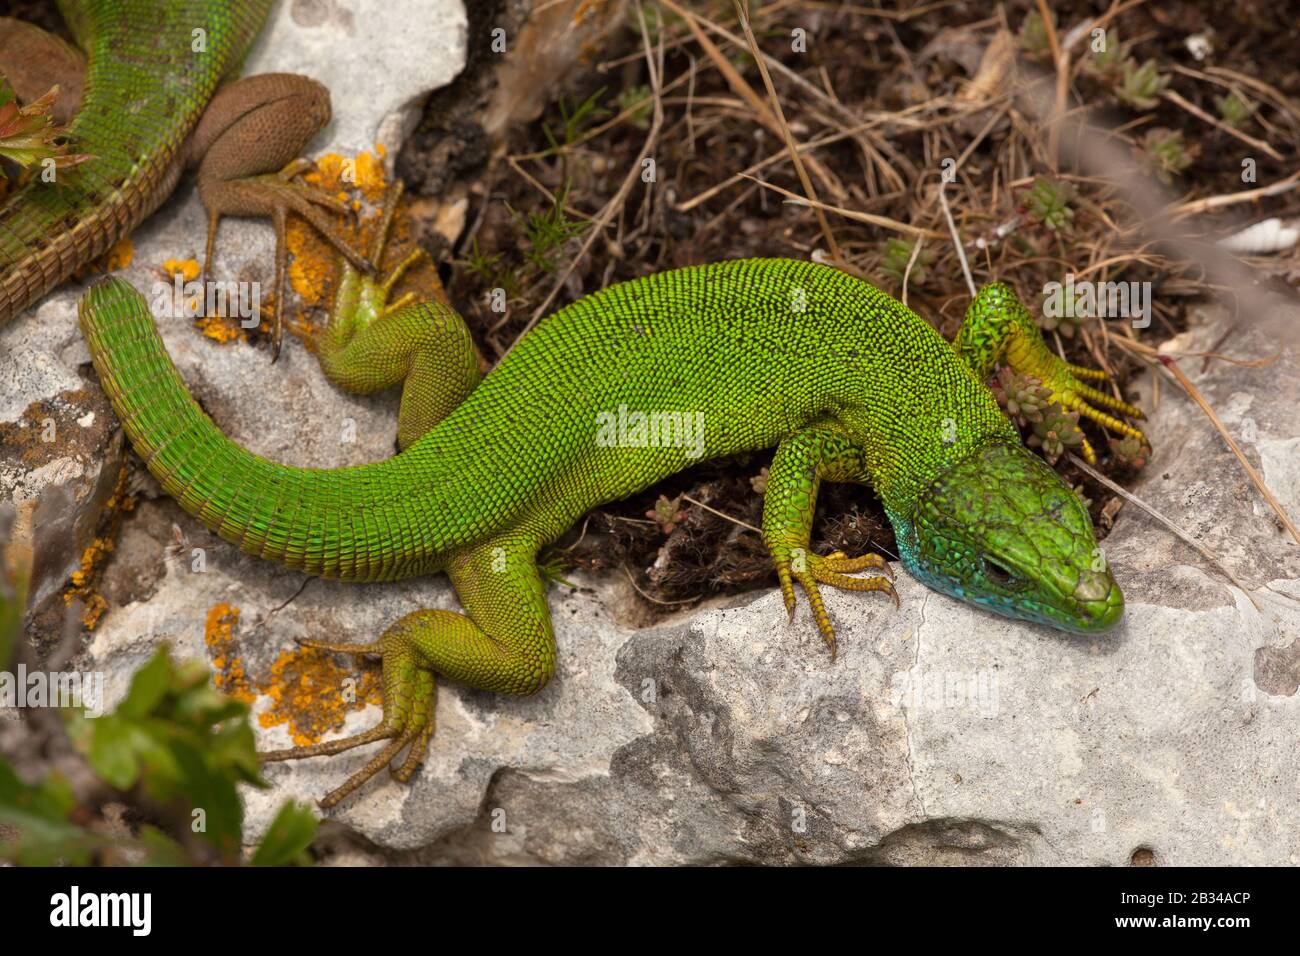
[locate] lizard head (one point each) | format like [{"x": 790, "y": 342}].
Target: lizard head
[{"x": 1002, "y": 530}]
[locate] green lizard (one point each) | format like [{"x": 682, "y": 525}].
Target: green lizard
[
  {"x": 153, "y": 107},
  {"x": 845, "y": 382}
]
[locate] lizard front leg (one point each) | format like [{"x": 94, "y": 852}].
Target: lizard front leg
[
  {"x": 370, "y": 344},
  {"x": 246, "y": 147},
  {"x": 999, "y": 329},
  {"x": 789, "y": 504},
  {"x": 503, "y": 642}
]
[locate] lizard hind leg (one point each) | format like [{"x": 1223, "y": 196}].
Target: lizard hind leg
[
  {"x": 370, "y": 343},
  {"x": 504, "y": 642},
  {"x": 246, "y": 147}
]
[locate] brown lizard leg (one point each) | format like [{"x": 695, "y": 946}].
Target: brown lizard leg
[
  {"x": 246, "y": 148},
  {"x": 33, "y": 60}
]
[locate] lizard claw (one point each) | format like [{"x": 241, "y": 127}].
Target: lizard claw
[
  {"x": 811, "y": 570},
  {"x": 408, "y": 719}
]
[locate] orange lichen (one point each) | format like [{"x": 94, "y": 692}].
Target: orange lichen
[
  {"x": 187, "y": 269},
  {"x": 84, "y": 581},
  {"x": 308, "y": 690},
  {"x": 118, "y": 256},
  {"x": 311, "y": 693},
  {"x": 219, "y": 328},
  {"x": 228, "y": 670},
  {"x": 314, "y": 262}
]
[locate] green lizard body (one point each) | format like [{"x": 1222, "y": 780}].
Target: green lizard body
[
  {"x": 844, "y": 381},
  {"x": 152, "y": 72}
]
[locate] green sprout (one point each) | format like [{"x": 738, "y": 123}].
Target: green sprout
[
  {"x": 1140, "y": 87},
  {"x": 547, "y": 232},
  {"x": 1234, "y": 109},
  {"x": 668, "y": 513},
  {"x": 575, "y": 119},
  {"x": 1049, "y": 203},
  {"x": 1023, "y": 397},
  {"x": 1131, "y": 452},
  {"x": 1166, "y": 153},
  {"x": 1033, "y": 35},
  {"x": 638, "y": 100},
  {"x": 1109, "y": 60},
  {"x": 1057, "y": 432},
  {"x": 898, "y": 253}
]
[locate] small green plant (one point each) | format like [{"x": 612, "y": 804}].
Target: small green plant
[
  {"x": 1082, "y": 495},
  {"x": 1023, "y": 397},
  {"x": 897, "y": 254},
  {"x": 1108, "y": 61},
  {"x": 547, "y": 232},
  {"x": 1235, "y": 110},
  {"x": 1131, "y": 452},
  {"x": 638, "y": 100},
  {"x": 1057, "y": 432},
  {"x": 1166, "y": 153},
  {"x": 668, "y": 513},
  {"x": 174, "y": 747},
  {"x": 1049, "y": 203},
  {"x": 1140, "y": 86},
  {"x": 574, "y": 120},
  {"x": 1033, "y": 35}
]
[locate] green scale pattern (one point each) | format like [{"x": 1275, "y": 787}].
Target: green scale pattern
[{"x": 844, "y": 381}]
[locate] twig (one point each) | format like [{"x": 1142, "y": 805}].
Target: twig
[
  {"x": 956, "y": 239},
  {"x": 832, "y": 246},
  {"x": 654, "y": 600},
  {"x": 743, "y": 524},
  {"x": 883, "y": 221},
  {"x": 1199, "y": 399},
  {"x": 1179, "y": 532},
  {"x": 1231, "y": 199},
  {"x": 1173, "y": 97}
]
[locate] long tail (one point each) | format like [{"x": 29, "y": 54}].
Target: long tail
[{"x": 358, "y": 523}]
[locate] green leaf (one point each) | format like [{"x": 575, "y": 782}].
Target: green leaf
[
  {"x": 113, "y": 752},
  {"x": 288, "y": 837},
  {"x": 149, "y": 685}
]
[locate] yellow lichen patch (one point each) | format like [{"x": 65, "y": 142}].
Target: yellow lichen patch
[
  {"x": 228, "y": 670},
  {"x": 187, "y": 269},
  {"x": 313, "y": 694},
  {"x": 219, "y": 328},
  {"x": 308, "y": 690},
  {"x": 314, "y": 265},
  {"x": 84, "y": 581},
  {"x": 119, "y": 256}
]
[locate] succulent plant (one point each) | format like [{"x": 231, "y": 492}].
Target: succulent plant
[{"x": 1140, "y": 86}]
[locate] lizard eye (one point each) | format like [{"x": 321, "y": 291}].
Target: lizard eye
[{"x": 997, "y": 573}]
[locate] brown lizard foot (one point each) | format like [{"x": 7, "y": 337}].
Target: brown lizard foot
[
  {"x": 246, "y": 147},
  {"x": 275, "y": 195}
]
